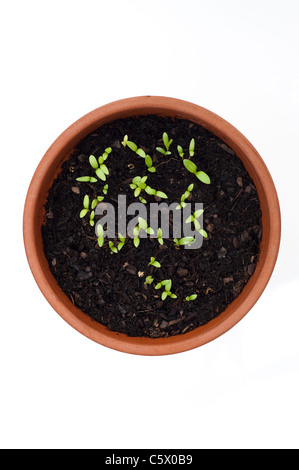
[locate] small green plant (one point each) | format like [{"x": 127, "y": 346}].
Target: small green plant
[
  {"x": 87, "y": 179},
  {"x": 85, "y": 209},
  {"x": 100, "y": 234},
  {"x": 155, "y": 263},
  {"x": 105, "y": 189},
  {"x": 185, "y": 196},
  {"x": 149, "y": 280},
  {"x": 184, "y": 241},
  {"x": 99, "y": 167},
  {"x": 167, "y": 286},
  {"x": 139, "y": 184},
  {"x": 122, "y": 241},
  {"x": 159, "y": 236},
  {"x": 191, "y": 297},
  {"x": 201, "y": 175},
  {"x": 191, "y": 149},
  {"x": 142, "y": 225},
  {"x": 193, "y": 218},
  {"x": 112, "y": 247},
  {"x": 139, "y": 151},
  {"x": 180, "y": 151},
  {"x": 167, "y": 144}
]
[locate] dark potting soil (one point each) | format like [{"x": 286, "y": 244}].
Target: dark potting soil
[{"x": 109, "y": 287}]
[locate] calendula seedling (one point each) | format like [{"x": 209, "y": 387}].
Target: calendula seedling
[
  {"x": 180, "y": 151},
  {"x": 191, "y": 297},
  {"x": 185, "y": 196},
  {"x": 191, "y": 147},
  {"x": 85, "y": 209},
  {"x": 149, "y": 280},
  {"x": 99, "y": 165},
  {"x": 91, "y": 218},
  {"x": 112, "y": 247},
  {"x": 139, "y": 151},
  {"x": 184, "y": 241},
  {"x": 122, "y": 242},
  {"x": 139, "y": 184},
  {"x": 87, "y": 179},
  {"x": 193, "y": 218},
  {"x": 142, "y": 225},
  {"x": 167, "y": 144},
  {"x": 155, "y": 263},
  {"x": 201, "y": 175},
  {"x": 105, "y": 189},
  {"x": 100, "y": 234},
  {"x": 159, "y": 235},
  {"x": 167, "y": 286}
]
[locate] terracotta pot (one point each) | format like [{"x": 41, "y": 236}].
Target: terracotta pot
[{"x": 50, "y": 166}]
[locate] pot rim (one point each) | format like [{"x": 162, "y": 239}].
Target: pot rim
[{"x": 48, "y": 169}]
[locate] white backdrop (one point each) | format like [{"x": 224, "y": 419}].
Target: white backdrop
[{"x": 60, "y": 60}]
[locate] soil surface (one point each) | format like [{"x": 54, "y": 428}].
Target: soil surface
[{"x": 109, "y": 287}]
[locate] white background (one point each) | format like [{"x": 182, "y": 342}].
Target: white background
[{"x": 62, "y": 59}]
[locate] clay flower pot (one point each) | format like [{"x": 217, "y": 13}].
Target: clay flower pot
[{"x": 49, "y": 167}]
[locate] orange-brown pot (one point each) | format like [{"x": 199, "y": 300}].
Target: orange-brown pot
[{"x": 49, "y": 167}]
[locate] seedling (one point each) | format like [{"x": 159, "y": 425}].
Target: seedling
[
  {"x": 100, "y": 234},
  {"x": 140, "y": 152},
  {"x": 193, "y": 218},
  {"x": 85, "y": 209},
  {"x": 181, "y": 151},
  {"x": 167, "y": 144},
  {"x": 99, "y": 165},
  {"x": 105, "y": 189},
  {"x": 201, "y": 175},
  {"x": 149, "y": 280},
  {"x": 167, "y": 286},
  {"x": 112, "y": 247},
  {"x": 122, "y": 242},
  {"x": 139, "y": 184},
  {"x": 191, "y": 297},
  {"x": 155, "y": 263},
  {"x": 184, "y": 241},
  {"x": 159, "y": 235},
  {"x": 87, "y": 179},
  {"x": 185, "y": 196},
  {"x": 191, "y": 147},
  {"x": 142, "y": 225}
]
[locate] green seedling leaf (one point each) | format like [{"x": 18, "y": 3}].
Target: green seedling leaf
[
  {"x": 132, "y": 146},
  {"x": 141, "y": 153},
  {"x": 100, "y": 242},
  {"x": 150, "y": 191},
  {"x": 86, "y": 202},
  {"x": 190, "y": 166},
  {"x": 203, "y": 233},
  {"x": 86, "y": 179},
  {"x": 125, "y": 140},
  {"x": 191, "y": 297},
  {"x": 164, "y": 295},
  {"x": 148, "y": 161},
  {"x": 83, "y": 213},
  {"x": 198, "y": 213},
  {"x": 112, "y": 247},
  {"x": 180, "y": 151},
  {"x": 94, "y": 203},
  {"x": 93, "y": 162},
  {"x": 161, "y": 150},
  {"x": 142, "y": 223},
  {"x": 203, "y": 177},
  {"x": 100, "y": 174},
  {"x": 104, "y": 169},
  {"x": 136, "y": 242},
  {"x": 161, "y": 194},
  {"x": 191, "y": 147},
  {"x": 149, "y": 280},
  {"x": 100, "y": 230}
]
